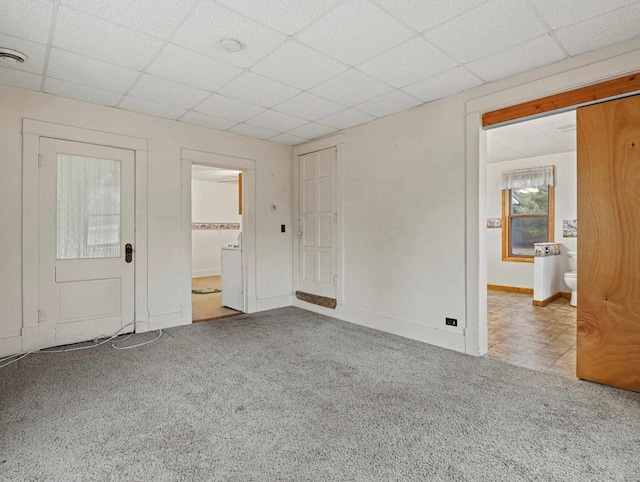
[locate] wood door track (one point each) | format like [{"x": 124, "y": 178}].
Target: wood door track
[{"x": 317, "y": 299}]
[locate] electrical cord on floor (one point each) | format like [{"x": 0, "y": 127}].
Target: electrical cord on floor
[{"x": 100, "y": 341}]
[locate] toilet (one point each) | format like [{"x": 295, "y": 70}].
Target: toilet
[{"x": 571, "y": 278}]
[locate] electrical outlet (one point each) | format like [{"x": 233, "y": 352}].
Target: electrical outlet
[
  {"x": 451, "y": 322},
  {"x": 282, "y": 228}
]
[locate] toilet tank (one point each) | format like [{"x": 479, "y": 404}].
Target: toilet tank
[{"x": 573, "y": 260}]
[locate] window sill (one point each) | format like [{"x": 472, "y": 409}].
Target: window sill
[{"x": 514, "y": 259}]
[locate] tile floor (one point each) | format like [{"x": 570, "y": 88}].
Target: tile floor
[{"x": 540, "y": 338}]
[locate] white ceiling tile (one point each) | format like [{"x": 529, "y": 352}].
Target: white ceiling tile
[
  {"x": 153, "y": 17},
  {"x": 299, "y": 66},
  {"x": 151, "y": 108},
  {"x": 562, "y": 118},
  {"x": 29, "y": 19},
  {"x": 391, "y": 103},
  {"x": 167, "y": 92},
  {"x": 408, "y": 63},
  {"x": 442, "y": 85},
  {"x": 568, "y": 140},
  {"x": 287, "y": 139},
  {"x": 18, "y": 78},
  {"x": 347, "y": 118},
  {"x": 354, "y": 32},
  {"x": 487, "y": 29},
  {"x": 351, "y": 88},
  {"x": 608, "y": 29},
  {"x": 276, "y": 121},
  {"x": 497, "y": 152},
  {"x": 309, "y": 107},
  {"x": 211, "y": 23},
  {"x": 312, "y": 131},
  {"x": 521, "y": 58},
  {"x": 515, "y": 134},
  {"x": 205, "y": 120},
  {"x": 82, "y": 70},
  {"x": 35, "y": 53},
  {"x": 540, "y": 147},
  {"x": 253, "y": 131},
  {"x": 562, "y": 13},
  {"x": 254, "y": 89},
  {"x": 81, "y": 92},
  {"x": 227, "y": 108},
  {"x": 190, "y": 68},
  {"x": 287, "y": 16},
  {"x": 81, "y": 33},
  {"x": 422, "y": 15}
]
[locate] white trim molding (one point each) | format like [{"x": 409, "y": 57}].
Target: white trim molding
[
  {"x": 248, "y": 168},
  {"x": 32, "y": 335}
]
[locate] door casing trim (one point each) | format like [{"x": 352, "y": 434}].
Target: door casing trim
[
  {"x": 32, "y": 334},
  {"x": 249, "y": 265}
]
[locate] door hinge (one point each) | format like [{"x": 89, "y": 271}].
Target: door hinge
[
  {"x": 40, "y": 160},
  {"x": 335, "y": 280},
  {"x": 42, "y": 316},
  {"x": 335, "y": 217}
]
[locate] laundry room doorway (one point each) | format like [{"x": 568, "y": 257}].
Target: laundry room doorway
[
  {"x": 218, "y": 236},
  {"x": 216, "y": 242}
]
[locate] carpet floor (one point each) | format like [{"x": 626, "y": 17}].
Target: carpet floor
[{"x": 292, "y": 395}]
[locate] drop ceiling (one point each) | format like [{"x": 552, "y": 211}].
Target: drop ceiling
[
  {"x": 308, "y": 67},
  {"x": 213, "y": 174},
  {"x": 537, "y": 137}
]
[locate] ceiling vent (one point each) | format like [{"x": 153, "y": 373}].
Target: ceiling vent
[
  {"x": 566, "y": 128},
  {"x": 9, "y": 56}
]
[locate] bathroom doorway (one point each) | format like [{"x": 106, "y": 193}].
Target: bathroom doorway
[
  {"x": 216, "y": 243},
  {"x": 531, "y": 234}
]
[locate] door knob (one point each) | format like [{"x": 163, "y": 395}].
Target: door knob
[{"x": 128, "y": 252}]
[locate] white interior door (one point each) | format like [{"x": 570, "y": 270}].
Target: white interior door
[
  {"x": 317, "y": 223},
  {"x": 86, "y": 224}
]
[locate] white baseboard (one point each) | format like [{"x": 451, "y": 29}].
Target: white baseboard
[
  {"x": 446, "y": 339},
  {"x": 202, "y": 273},
  {"x": 263, "y": 304},
  {"x": 166, "y": 320},
  {"x": 10, "y": 346}
]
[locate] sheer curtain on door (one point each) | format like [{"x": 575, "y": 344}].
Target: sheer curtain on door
[{"x": 88, "y": 211}]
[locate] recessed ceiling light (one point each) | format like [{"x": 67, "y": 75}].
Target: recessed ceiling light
[
  {"x": 14, "y": 57},
  {"x": 231, "y": 45}
]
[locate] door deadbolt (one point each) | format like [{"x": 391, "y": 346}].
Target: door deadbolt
[{"x": 128, "y": 252}]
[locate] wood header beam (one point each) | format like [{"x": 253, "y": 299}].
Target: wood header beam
[{"x": 583, "y": 95}]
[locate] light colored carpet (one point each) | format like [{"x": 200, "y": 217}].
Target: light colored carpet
[{"x": 291, "y": 395}]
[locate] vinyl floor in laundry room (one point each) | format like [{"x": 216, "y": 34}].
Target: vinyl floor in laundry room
[
  {"x": 540, "y": 338},
  {"x": 208, "y": 306}
]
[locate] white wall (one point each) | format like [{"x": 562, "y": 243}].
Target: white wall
[
  {"x": 520, "y": 275},
  {"x": 212, "y": 202},
  {"x": 165, "y": 140},
  {"x": 413, "y": 189}
]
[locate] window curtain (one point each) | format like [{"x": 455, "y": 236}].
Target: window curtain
[{"x": 528, "y": 178}]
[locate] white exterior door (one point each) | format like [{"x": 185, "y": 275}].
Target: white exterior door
[
  {"x": 86, "y": 236},
  {"x": 317, "y": 223}
]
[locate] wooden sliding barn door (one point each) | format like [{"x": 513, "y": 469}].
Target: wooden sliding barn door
[{"x": 608, "y": 348}]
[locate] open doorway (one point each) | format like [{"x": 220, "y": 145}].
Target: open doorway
[
  {"x": 216, "y": 243},
  {"x": 531, "y": 241}
]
